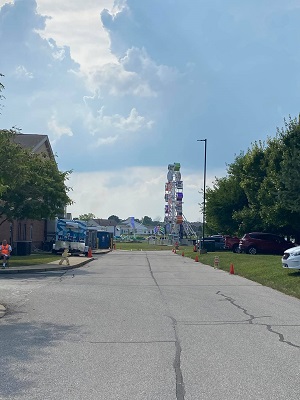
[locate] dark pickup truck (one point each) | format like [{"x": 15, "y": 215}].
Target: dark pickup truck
[{"x": 232, "y": 243}]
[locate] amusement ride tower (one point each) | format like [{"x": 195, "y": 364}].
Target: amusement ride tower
[
  {"x": 176, "y": 225},
  {"x": 173, "y": 202}
]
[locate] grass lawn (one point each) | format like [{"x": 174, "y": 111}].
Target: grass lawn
[
  {"x": 32, "y": 259},
  {"x": 264, "y": 269}
]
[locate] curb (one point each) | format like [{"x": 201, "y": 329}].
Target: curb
[
  {"x": 47, "y": 267},
  {"x": 2, "y": 311}
]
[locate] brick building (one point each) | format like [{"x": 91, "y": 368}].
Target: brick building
[{"x": 28, "y": 230}]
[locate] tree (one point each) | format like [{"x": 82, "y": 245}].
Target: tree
[
  {"x": 222, "y": 201},
  {"x": 289, "y": 181},
  {"x": 250, "y": 170},
  {"x": 114, "y": 218},
  {"x": 262, "y": 189},
  {"x": 147, "y": 220},
  {"x": 289, "y": 174},
  {"x": 87, "y": 217},
  {"x": 32, "y": 185},
  {"x": 274, "y": 215}
]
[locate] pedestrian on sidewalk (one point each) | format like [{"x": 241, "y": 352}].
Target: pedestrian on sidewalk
[
  {"x": 5, "y": 250},
  {"x": 65, "y": 257}
]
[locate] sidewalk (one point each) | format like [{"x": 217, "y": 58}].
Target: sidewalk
[{"x": 75, "y": 262}]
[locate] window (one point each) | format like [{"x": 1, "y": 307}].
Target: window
[
  {"x": 19, "y": 230},
  {"x": 24, "y": 231},
  {"x": 11, "y": 233}
]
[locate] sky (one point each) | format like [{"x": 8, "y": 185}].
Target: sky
[{"x": 125, "y": 88}]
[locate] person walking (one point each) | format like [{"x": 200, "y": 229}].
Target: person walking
[
  {"x": 5, "y": 250},
  {"x": 65, "y": 257}
]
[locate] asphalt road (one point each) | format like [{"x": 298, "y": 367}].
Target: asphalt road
[{"x": 147, "y": 326}]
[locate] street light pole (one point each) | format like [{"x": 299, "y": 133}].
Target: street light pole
[{"x": 204, "y": 186}]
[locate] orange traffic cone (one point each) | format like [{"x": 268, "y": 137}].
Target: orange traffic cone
[
  {"x": 182, "y": 254},
  {"x": 90, "y": 252},
  {"x": 231, "y": 270},
  {"x": 196, "y": 259}
]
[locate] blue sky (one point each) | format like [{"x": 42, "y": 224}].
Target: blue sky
[{"x": 124, "y": 88}]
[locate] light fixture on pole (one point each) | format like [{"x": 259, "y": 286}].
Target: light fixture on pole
[{"x": 204, "y": 186}]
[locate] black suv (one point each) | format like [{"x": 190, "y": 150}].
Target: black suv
[
  {"x": 214, "y": 243},
  {"x": 259, "y": 242}
]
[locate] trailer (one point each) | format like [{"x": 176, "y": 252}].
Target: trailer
[{"x": 71, "y": 235}]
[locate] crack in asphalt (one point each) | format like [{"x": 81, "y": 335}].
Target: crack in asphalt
[
  {"x": 252, "y": 318},
  {"x": 280, "y": 335},
  {"x": 180, "y": 391},
  {"x": 232, "y": 301},
  {"x": 240, "y": 322},
  {"x": 124, "y": 341},
  {"x": 63, "y": 275}
]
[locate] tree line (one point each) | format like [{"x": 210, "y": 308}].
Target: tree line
[
  {"x": 145, "y": 220},
  {"x": 261, "y": 191},
  {"x": 31, "y": 185}
]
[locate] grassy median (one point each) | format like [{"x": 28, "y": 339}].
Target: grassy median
[
  {"x": 264, "y": 269},
  {"x": 32, "y": 259}
]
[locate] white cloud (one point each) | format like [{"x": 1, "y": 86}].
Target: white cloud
[
  {"x": 78, "y": 25},
  {"x": 110, "y": 127},
  {"x": 137, "y": 192},
  {"x": 133, "y": 123},
  {"x": 58, "y": 130},
  {"x": 135, "y": 74},
  {"x": 138, "y": 60},
  {"x": 106, "y": 141},
  {"x": 22, "y": 73},
  {"x": 114, "y": 80},
  {"x": 59, "y": 54},
  {"x": 112, "y": 188},
  {"x": 119, "y": 6}
]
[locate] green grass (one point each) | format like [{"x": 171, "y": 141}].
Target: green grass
[
  {"x": 264, "y": 269},
  {"x": 32, "y": 259},
  {"x": 141, "y": 246}
]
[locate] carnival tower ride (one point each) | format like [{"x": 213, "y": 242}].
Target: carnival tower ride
[{"x": 173, "y": 202}]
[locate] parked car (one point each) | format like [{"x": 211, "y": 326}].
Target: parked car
[
  {"x": 291, "y": 258},
  {"x": 213, "y": 243},
  {"x": 260, "y": 242},
  {"x": 219, "y": 241},
  {"x": 232, "y": 243}
]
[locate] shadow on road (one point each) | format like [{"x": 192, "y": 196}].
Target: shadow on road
[{"x": 22, "y": 344}]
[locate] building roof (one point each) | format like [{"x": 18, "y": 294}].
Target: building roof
[
  {"x": 104, "y": 222},
  {"x": 36, "y": 142},
  {"x": 137, "y": 225}
]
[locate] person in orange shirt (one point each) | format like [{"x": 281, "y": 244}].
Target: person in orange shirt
[{"x": 5, "y": 250}]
